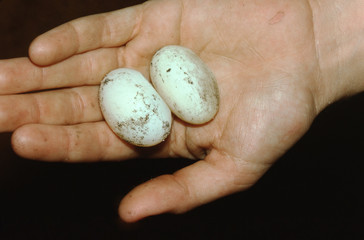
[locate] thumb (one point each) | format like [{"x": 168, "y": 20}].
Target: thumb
[{"x": 192, "y": 186}]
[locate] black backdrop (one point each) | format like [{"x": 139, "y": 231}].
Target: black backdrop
[{"x": 313, "y": 192}]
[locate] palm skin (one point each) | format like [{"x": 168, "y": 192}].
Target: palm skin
[{"x": 262, "y": 54}]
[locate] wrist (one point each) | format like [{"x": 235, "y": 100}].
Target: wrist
[{"x": 339, "y": 39}]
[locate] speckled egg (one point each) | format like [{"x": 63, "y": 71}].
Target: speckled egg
[
  {"x": 133, "y": 109},
  {"x": 185, "y": 83}
]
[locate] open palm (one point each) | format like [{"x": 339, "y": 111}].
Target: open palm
[{"x": 262, "y": 54}]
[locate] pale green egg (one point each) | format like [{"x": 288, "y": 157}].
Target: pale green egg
[
  {"x": 185, "y": 83},
  {"x": 133, "y": 109}
]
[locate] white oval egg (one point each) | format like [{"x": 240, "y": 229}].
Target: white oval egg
[
  {"x": 133, "y": 109},
  {"x": 185, "y": 83}
]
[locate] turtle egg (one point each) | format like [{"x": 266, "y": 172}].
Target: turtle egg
[
  {"x": 133, "y": 109},
  {"x": 185, "y": 83}
]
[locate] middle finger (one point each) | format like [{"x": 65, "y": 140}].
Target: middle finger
[{"x": 63, "y": 107}]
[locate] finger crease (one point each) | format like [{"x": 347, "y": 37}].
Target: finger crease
[
  {"x": 186, "y": 192},
  {"x": 69, "y": 145},
  {"x": 42, "y": 78},
  {"x": 78, "y": 106},
  {"x": 36, "y": 111},
  {"x": 73, "y": 28},
  {"x": 91, "y": 71},
  {"x": 107, "y": 33}
]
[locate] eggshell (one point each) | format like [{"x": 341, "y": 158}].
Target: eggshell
[
  {"x": 133, "y": 109},
  {"x": 185, "y": 83}
]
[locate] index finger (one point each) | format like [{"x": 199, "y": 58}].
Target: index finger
[{"x": 83, "y": 34}]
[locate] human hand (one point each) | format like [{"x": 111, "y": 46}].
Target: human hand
[{"x": 266, "y": 67}]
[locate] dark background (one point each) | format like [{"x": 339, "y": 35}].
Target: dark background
[{"x": 313, "y": 192}]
